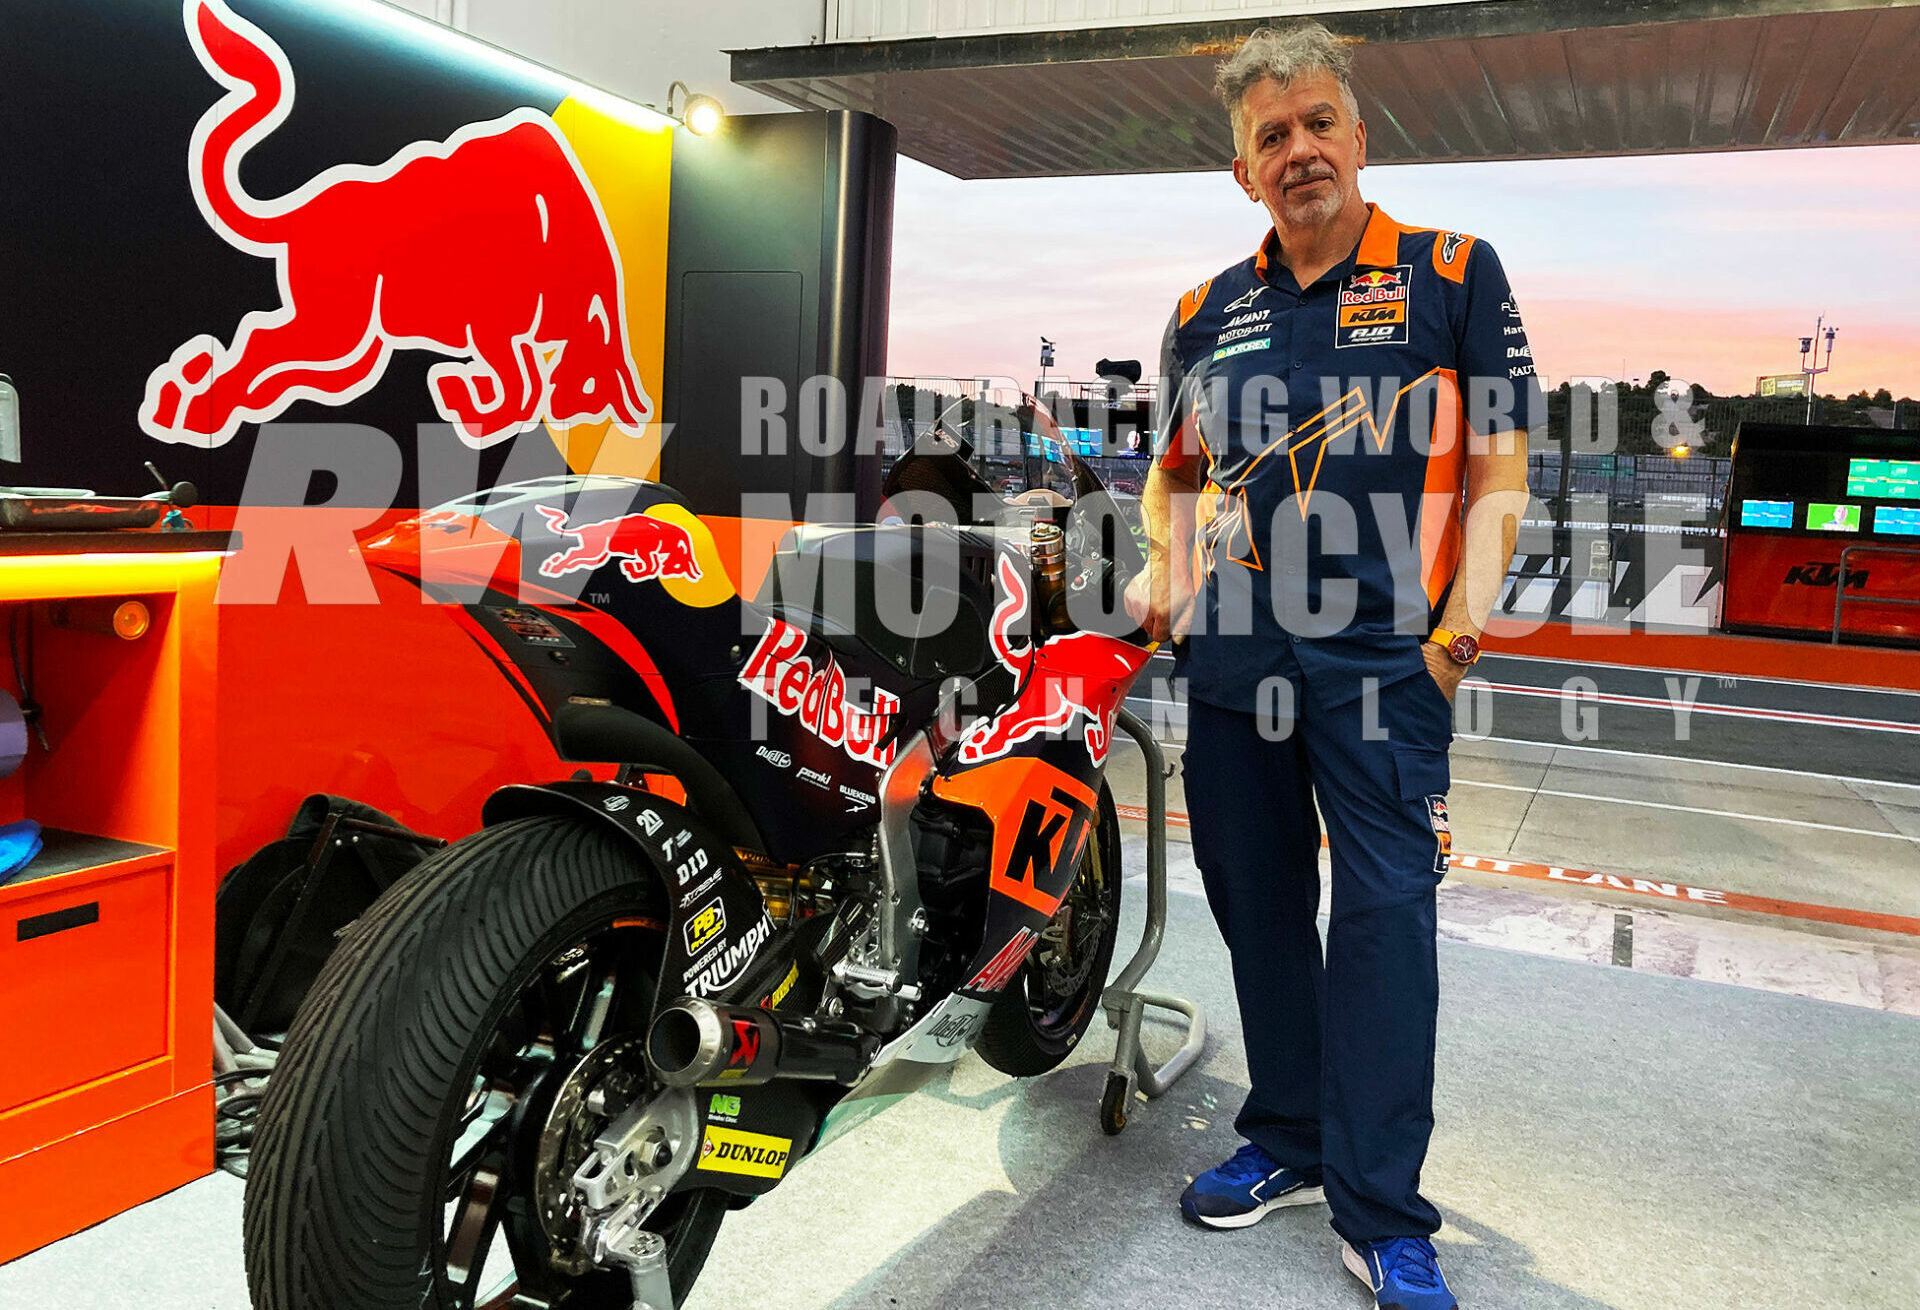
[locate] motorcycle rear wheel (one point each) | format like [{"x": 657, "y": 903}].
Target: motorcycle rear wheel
[
  {"x": 1046, "y": 1009},
  {"x": 395, "y": 1154}
]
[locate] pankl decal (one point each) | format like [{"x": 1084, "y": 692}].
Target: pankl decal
[
  {"x": 730, "y": 1151},
  {"x": 1069, "y": 677},
  {"x": 490, "y": 248},
  {"x": 780, "y": 673},
  {"x": 647, "y": 547},
  {"x": 1373, "y": 307}
]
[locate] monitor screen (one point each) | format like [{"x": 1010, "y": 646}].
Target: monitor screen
[
  {"x": 1894, "y": 479},
  {"x": 1766, "y": 514},
  {"x": 1901, "y": 519},
  {"x": 1833, "y": 518}
]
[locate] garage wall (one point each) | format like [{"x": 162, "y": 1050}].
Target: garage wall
[{"x": 637, "y": 48}]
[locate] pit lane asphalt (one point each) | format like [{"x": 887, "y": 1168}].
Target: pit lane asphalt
[{"x": 1862, "y": 733}]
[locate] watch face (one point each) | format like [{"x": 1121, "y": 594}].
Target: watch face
[{"x": 1465, "y": 650}]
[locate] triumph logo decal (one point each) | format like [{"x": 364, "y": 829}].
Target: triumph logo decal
[
  {"x": 730, "y": 1151},
  {"x": 780, "y": 673}
]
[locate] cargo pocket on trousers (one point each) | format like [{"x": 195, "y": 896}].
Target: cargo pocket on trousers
[{"x": 1424, "y": 778}]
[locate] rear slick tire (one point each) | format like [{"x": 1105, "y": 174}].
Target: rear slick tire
[{"x": 440, "y": 1005}]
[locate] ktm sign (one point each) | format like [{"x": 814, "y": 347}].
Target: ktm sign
[{"x": 1823, "y": 575}]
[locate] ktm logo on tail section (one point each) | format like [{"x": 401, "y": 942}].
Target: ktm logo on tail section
[
  {"x": 647, "y": 547},
  {"x": 490, "y": 248},
  {"x": 1077, "y": 675}
]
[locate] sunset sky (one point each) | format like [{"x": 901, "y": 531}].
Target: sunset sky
[{"x": 1708, "y": 266}]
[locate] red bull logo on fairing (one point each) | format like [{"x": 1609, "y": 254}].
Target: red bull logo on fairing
[
  {"x": 490, "y": 248},
  {"x": 646, "y": 547},
  {"x": 1070, "y": 677}
]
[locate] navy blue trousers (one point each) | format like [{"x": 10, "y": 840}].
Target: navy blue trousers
[{"x": 1340, "y": 1047}]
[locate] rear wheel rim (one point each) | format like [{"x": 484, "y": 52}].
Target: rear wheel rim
[{"x": 490, "y": 1250}]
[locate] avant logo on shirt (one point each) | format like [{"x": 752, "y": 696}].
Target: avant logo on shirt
[{"x": 1373, "y": 307}]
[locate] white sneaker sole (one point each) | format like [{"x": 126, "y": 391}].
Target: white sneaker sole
[
  {"x": 1356, "y": 1265},
  {"x": 1303, "y": 1196}
]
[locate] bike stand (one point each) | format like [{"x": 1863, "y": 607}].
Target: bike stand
[{"x": 1126, "y": 1005}]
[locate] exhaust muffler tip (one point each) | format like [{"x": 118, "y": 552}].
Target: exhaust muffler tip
[{"x": 687, "y": 1044}]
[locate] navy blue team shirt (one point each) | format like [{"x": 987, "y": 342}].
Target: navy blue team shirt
[{"x": 1331, "y": 423}]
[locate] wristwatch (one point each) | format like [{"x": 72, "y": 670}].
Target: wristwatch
[{"x": 1460, "y": 647}]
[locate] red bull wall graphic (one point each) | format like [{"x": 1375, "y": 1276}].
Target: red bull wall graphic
[
  {"x": 336, "y": 214},
  {"x": 490, "y": 248}
]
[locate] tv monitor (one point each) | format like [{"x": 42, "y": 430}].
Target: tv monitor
[
  {"x": 1902, "y": 520},
  {"x": 1766, "y": 514},
  {"x": 1832, "y": 518},
  {"x": 1886, "y": 479}
]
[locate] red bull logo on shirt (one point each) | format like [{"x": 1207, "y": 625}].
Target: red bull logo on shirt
[
  {"x": 489, "y": 248},
  {"x": 647, "y": 547},
  {"x": 1373, "y": 307}
]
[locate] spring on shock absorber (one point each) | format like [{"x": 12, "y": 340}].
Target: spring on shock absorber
[{"x": 1050, "y": 573}]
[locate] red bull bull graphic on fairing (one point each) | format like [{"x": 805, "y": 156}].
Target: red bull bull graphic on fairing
[
  {"x": 1069, "y": 677},
  {"x": 490, "y": 248},
  {"x": 647, "y": 547}
]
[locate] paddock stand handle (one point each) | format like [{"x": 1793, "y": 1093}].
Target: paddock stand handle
[{"x": 1125, "y": 1004}]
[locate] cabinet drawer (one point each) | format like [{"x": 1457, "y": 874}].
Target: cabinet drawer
[{"x": 84, "y": 981}]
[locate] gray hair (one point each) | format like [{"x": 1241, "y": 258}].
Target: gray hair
[{"x": 1282, "y": 55}]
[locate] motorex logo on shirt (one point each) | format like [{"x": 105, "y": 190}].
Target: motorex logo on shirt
[{"x": 1241, "y": 348}]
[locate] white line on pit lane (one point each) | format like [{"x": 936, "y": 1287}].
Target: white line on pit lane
[
  {"x": 1701, "y": 674},
  {"x": 1703, "y": 762},
  {"x": 1709, "y": 708},
  {"x": 1686, "y": 809}
]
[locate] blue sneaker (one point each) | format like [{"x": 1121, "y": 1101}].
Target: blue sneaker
[
  {"x": 1403, "y": 1272},
  {"x": 1241, "y": 1191}
]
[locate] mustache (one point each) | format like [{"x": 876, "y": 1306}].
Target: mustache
[{"x": 1298, "y": 179}]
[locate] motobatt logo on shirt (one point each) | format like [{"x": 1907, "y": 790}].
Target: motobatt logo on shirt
[
  {"x": 730, "y": 1151},
  {"x": 1373, "y": 307},
  {"x": 703, "y": 927},
  {"x": 780, "y": 673}
]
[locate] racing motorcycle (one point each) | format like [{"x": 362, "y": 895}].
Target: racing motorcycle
[{"x": 860, "y": 827}]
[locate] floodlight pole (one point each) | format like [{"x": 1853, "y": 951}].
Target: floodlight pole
[{"x": 1812, "y": 343}]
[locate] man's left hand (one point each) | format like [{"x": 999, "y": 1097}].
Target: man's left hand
[{"x": 1443, "y": 668}]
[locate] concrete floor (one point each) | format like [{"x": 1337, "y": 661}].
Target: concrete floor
[{"x": 1606, "y": 1137}]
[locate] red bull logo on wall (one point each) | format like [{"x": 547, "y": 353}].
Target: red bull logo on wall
[
  {"x": 490, "y": 248},
  {"x": 1068, "y": 678}
]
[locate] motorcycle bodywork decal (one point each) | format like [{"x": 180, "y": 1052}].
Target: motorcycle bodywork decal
[
  {"x": 781, "y": 673},
  {"x": 1072, "y": 678},
  {"x": 730, "y": 1151}
]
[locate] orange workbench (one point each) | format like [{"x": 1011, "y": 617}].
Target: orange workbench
[{"x": 106, "y": 939}]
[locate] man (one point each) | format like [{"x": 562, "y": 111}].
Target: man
[{"x": 1341, "y": 474}]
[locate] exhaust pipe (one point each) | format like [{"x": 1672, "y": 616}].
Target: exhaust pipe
[{"x": 695, "y": 1041}]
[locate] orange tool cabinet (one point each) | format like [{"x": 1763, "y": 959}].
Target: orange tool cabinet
[{"x": 106, "y": 939}]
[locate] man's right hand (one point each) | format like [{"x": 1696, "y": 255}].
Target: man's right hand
[{"x": 1159, "y": 604}]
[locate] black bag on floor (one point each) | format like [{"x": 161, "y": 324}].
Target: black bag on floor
[{"x": 278, "y": 916}]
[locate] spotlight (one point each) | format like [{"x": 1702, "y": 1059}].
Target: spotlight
[
  {"x": 703, "y": 115},
  {"x": 700, "y": 115}
]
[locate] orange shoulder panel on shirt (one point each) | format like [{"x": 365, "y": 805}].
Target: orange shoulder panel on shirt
[
  {"x": 1450, "y": 251},
  {"x": 1191, "y": 302}
]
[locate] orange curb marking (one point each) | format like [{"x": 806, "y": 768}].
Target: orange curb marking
[{"x": 1658, "y": 889}]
